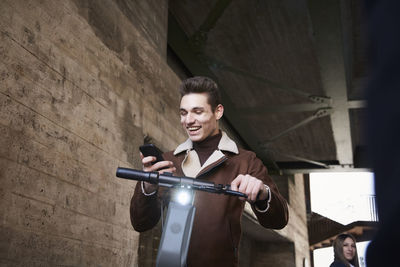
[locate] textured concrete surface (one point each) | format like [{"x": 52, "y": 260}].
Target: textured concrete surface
[{"x": 81, "y": 84}]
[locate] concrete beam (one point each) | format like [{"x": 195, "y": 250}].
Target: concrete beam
[{"x": 333, "y": 57}]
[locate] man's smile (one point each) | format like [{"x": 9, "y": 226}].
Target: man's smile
[{"x": 193, "y": 128}]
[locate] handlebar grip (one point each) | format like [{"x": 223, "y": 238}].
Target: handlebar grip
[{"x": 131, "y": 174}]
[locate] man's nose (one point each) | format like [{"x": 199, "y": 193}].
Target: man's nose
[{"x": 189, "y": 118}]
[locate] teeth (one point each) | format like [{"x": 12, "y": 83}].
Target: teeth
[{"x": 193, "y": 128}]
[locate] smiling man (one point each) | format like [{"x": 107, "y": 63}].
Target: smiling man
[{"x": 210, "y": 154}]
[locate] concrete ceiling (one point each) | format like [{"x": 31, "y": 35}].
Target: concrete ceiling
[{"x": 292, "y": 74}]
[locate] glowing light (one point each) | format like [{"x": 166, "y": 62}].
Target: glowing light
[{"x": 183, "y": 197}]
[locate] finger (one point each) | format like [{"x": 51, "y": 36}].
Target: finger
[
  {"x": 257, "y": 190},
  {"x": 146, "y": 161},
  {"x": 249, "y": 190},
  {"x": 163, "y": 165},
  {"x": 150, "y": 168},
  {"x": 254, "y": 192},
  {"x": 251, "y": 187},
  {"x": 236, "y": 182},
  {"x": 243, "y": 185}
]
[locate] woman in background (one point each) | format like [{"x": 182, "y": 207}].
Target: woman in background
[{"x": 344, "y": 248}]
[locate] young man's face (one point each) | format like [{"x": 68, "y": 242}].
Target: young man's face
[{"x": 197, "y": 117}]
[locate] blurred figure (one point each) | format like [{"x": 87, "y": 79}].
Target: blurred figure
[
  {"x": 345, "y": 251},
  {"x": 383, "y": 130}
]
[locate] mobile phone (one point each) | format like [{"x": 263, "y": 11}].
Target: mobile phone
[{"x": 151, "y": 150}]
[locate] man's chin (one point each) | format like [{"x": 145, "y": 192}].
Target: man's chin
[{"x": 195, "y": 138}]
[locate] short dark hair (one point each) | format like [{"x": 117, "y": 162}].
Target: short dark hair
[{"x": 200, "y": 84}]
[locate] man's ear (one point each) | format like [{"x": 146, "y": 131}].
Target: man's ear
[{"x": 219, "y": 111}]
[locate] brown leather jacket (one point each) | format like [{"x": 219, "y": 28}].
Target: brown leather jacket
[{"x": 216, "y": 228}]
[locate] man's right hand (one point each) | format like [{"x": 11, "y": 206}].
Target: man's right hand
[{"x": 161, "y": 167}]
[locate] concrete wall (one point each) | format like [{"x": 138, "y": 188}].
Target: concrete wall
[
  {"x": 274, "y": 254},
  {"x": 81, "y": 84},
  {"x": 296, "y": 230}
]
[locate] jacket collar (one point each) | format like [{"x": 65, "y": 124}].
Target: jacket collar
[{"x": 225, "y": 144}]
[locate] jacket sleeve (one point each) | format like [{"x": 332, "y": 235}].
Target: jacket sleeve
[
  {"x": 144, "y": 210},
  {"x": 277, "y": 215}
]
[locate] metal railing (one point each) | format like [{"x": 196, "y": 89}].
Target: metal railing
[{"x": 373, "y": 210}]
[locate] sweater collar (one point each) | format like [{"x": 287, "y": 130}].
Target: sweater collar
[{"x": 225, "y": 144}]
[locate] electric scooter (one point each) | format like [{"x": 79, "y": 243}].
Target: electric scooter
[{"x": 174, "y": 243}]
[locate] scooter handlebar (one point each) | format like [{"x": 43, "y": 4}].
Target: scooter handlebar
[{"x": 168, "y": 180}]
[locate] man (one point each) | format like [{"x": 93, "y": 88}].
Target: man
[{"x": 210, "y": 154}]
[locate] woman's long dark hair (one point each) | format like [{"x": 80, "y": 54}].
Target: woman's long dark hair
[{"x": 338, "y": 250}]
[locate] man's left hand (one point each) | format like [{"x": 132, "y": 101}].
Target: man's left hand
[{"x": 251, "y": 186}]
